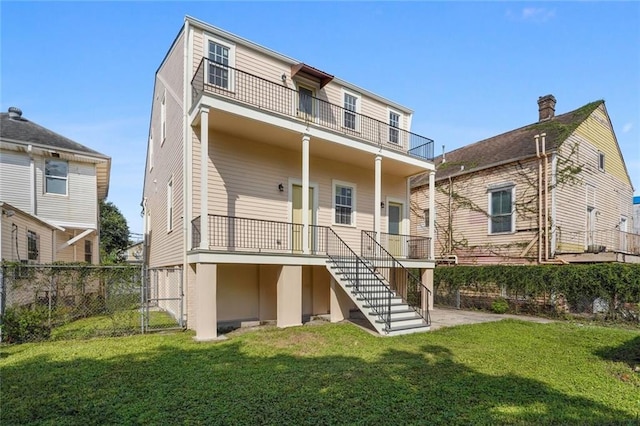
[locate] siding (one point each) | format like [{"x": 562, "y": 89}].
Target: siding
[
  {"x": 14, "y": 238},
  {"x": 72, "y": 208},
  {"x": 15, "y": 180},
  {"x": 75, "y": 252},
  {"x": 166, "y": 247}
]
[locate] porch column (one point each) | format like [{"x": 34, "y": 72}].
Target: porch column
[
  {"x": 338, "y": 303},
  {"x": 289, "y": 297},
  {"x": 377, "y": 198},
  {"x": 204, "y": 178},
  {"x": 432, "y": 214},
  {"x": 427, "y": 281},
  {"x": 206, "y": 312},
  {"x": 305, "y": 193}
]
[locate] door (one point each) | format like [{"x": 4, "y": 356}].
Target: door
[
  {"x": 296, "y": 216},
  {"x": 623, "y": 234},
  {"x": 395, "y": 227},
  {"x": 591, "y": 222}
]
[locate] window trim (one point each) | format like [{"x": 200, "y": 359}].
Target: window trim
[
  {"x": 170, "y": 205},
  {"x": 314, "y": 107},
  {"x": 163, "y": 118},
  {"x": 601, "y": 161},
  {"x": 426, "y": 213},
  {"x": 354, "y": 190},
  {"x": 33, "y": 253},
  {"x": 398, "y": 129},
  {"x": 151, "y": 150},
  {"x": 88, "y": 244},
  {"x": 356, "y": 127},
  {"x": 208, "y": 38},
  {"x": 490, "y": 192},
  {"x": 65, "y": 178}
]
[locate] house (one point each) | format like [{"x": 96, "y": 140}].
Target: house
[
  {"x": 636, "y": 214},
  {"x": 280, "y": 190},
  {"x": 133, "y": 253},
  {"x": 554, "y": 190},
  {"x": 50, "y": 188}
]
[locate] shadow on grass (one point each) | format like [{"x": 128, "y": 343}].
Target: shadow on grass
[
  {"x": 221, "y": 384},
  {"x": 628, "y": 352}
]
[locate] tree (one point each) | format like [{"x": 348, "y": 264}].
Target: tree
[{"x": 114, "y": 233}]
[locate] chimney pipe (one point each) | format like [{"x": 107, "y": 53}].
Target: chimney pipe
[
  {"x": 15, "y": 113},
  {"x": 546, "y": 107}
]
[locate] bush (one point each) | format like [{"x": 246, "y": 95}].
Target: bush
[
  {"x": 25, "y": 325},
  {"x": 499, "y": 306}
]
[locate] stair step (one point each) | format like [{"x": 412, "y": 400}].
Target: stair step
[{"x": 406, "y": 329}]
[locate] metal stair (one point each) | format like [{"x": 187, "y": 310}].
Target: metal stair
[{"x": 387, "y": 312}]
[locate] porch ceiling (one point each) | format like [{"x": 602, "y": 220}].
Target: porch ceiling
[{"x": 291, "y": 138}]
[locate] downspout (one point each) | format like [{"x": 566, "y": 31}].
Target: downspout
[
  {"x": 187, "y": 159},
  {"x": 546, "y": 197},
  {"x": 537, "y": 137},
  {"x": 554, "y": 182}
]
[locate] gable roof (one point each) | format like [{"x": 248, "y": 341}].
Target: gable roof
[
  {"x": 20, "y": 129},
  {"x": 508, "y": 147}
]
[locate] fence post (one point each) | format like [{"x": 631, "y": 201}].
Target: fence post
[
  {"x": 3, "y": 296},
  {"x": 143, "y": 276}
]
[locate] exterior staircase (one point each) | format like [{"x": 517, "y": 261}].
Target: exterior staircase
[{"x": 372, "y": 293}]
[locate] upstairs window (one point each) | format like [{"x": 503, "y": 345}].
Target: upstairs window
[
  {"x": 56, "y": 173},
  {"x": 219, "y": 62},
  {"x": 501, "y": 207},
  {"x": 163, "y": 119},
  {"x": 350, "y": 111},
  {"x": 170, "y": 205},
  {"x": 88, "y": 251},
  {"x": 601, "y": 161},
  {"x": 32, "y": 246},
  {"x": 426, "y": 217},
  {"x": 394, "y": 125}
]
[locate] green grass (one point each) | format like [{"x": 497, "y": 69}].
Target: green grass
[{"x": 509, "y": 372}]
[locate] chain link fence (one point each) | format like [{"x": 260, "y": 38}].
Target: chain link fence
[
  {"x": 62, "y": 301},
  {"x": 164, "y": 299}
]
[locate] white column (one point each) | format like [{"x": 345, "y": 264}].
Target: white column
[
  {"x": 305, "y": 193},
  {"x": 432, "y": 214},
  {"x": 204, "y": 178},
  {"x": 206, "y": 301},
  {"x": 377, "y": 198}
]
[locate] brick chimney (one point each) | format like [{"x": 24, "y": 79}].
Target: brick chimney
[{"x": 546, "y": 107}]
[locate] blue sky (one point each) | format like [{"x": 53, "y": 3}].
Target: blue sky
[{"x": 468, "y": 70}]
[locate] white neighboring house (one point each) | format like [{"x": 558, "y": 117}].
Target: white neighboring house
[{"x": 50, "y": 190}]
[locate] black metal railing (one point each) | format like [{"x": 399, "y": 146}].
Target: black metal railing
[
  {"x": 275, "y": 97},
  {"x": 363, "y": 278},
  {"x": 400, "y": 279},
  {"x": 401, "y": 246}
]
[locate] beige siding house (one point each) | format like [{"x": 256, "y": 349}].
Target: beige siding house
[
  {"x": 553, "y": 191},
  {"x": 50, "y": 188},
  {"x": 281, "y": 190}
]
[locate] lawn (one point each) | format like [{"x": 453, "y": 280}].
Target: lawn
[{"x": 509, "y": 372}]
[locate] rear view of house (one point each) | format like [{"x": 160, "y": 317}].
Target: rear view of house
[
  {"x": 554, "y": 190},
  {"x": 281, "y": 191},
  {"x": 50, "y": 189}
]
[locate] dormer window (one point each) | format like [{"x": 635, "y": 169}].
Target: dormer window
[{"x": 56, "y": 174}]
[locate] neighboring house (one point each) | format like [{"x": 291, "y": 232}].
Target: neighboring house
[
  {"x": 134, "y": 252},
  {"x": 496, "y": 204},
  {"x": 636, "y": 214},
  {"x": 261, "y": 169},
  {"x": 50, "y": 188}
]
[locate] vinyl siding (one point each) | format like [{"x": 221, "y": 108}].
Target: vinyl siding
[
  {"x": 166, "y": 247},
  {"x": 75, "y": 252},
  {"x": 15, "y": 180},
  {"x": 14, "y": 238}
]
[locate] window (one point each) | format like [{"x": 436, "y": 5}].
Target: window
[
  {"x": 351, "y": 107},
  {"x": 150, "y": 151},
  {"x": 501, "y": 217},
  {"x": 601, "y": 161},
  {"x": 32, "y": 245},
  {"x": 170, "y": 205},
  {"x": 219, "y": 58},
  {"x": 426, "y": 217},
  {"x": 394, "y": 125},
  {"x": 88, "y": 251},
  {"x": 56, "y": 174},
  {"x": 344, "y": 197},
  {"x": 305, "y": 104},
  {"x": 163, "y": 119}
]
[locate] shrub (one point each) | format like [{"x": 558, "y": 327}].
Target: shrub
[
  {"x": 25, "y": 325},
  {"x": 499, "y": 306}
]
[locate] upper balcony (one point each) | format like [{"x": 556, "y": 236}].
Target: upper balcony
[{"x": 212, "y": 78}]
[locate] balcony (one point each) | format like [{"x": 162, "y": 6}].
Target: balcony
[
  {"x": 238, "y": 234},
  {"x": 610, "y": 240},
  {"x": 218, "y": 80}
]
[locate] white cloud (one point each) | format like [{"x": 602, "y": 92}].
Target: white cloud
[
  {"x": 627, "y": 127},
  {"x": 532, "y": 14}
]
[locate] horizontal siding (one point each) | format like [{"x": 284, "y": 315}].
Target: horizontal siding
[
  {"x": 80, "y": 205},
  {"x": 15, "y": 180},
  {"x": 76, "y": 251},
  {"x": 14, "y": 238}
]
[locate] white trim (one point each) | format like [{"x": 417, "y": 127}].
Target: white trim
[
  {"x": 46, "y": 176},
  {"x": 357, "y": 112},
  {"x": 151, "y": 150},
  {"x": 354, "y": 192},
  {"x": 207, "y": 38},
  {"x": 498, "y": 188},
  {"x": 400, "y": 135},
  {"x": 75, "y": 239},
  {"x": 163, "y": 117},
  {"x": 170, "y": 212}
]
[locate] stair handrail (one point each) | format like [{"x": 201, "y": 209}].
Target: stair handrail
[
  {"x": 395, "y": 263},
  {"x": 383, "y": 312}
]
